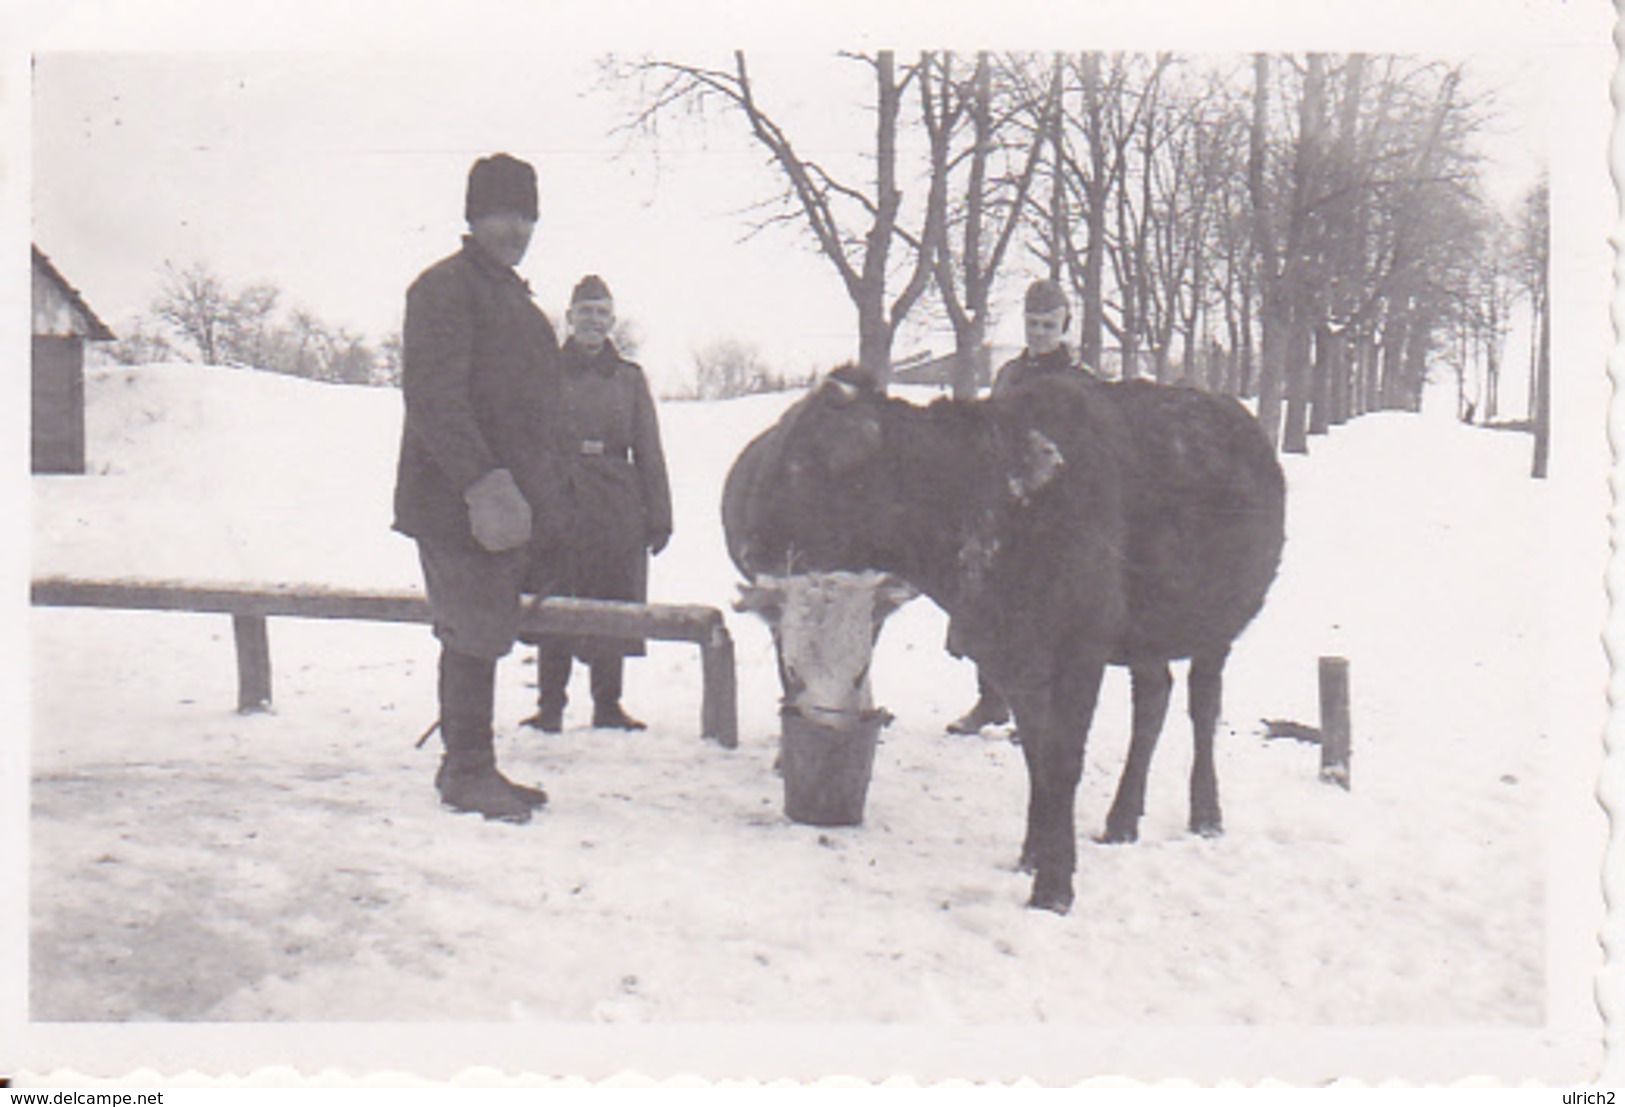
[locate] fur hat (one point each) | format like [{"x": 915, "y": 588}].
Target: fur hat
[
  {"x": 500, "y": 184},
  {"x": 590, "y": 287},
  {"x": 1044, "y": 296}
]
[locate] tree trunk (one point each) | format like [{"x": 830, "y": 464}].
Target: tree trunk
[
  {"x": 1246, "y": 375},
  {"x": 970, "y": 357},
  {"x": 1294, "y": 437},
  {"x": 1090, "y": 340},
  {"x": 1393, "y": 353},
  {"x": 1320, "y": 381},
  {"x": 1338, "y": 375},
  {"x": 874, "y": 338},
  {"x": 1541, "y": 416},
  {"x": 1367, "y": 394},
  {"x": 1275, "y": 313}
]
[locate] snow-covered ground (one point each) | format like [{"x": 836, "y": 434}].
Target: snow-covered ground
[{"x": 189, "y": 863}]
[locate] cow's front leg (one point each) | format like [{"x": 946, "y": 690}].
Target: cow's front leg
[
  {"x": 1055, "y": 766},
  {"x": 1031, "y": 712}
]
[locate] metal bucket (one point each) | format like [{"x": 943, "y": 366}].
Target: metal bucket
[{"x": 827, "y": 768}]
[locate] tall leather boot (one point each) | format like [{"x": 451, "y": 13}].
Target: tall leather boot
[
  {"x": 468, "y": 779},
  {"x": 553, "y": 660},
  {"x": 606, "y": 695}
]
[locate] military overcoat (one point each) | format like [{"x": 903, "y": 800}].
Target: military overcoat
[
  {"x": 481, "y": 380},
  {"x": 617, "y": 488}
]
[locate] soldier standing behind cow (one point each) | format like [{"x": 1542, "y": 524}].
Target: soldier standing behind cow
[
  {"x": 479, "y": 483},
  {"x": 615, "y": 474},
  {"x": 1046, "y": 317}
]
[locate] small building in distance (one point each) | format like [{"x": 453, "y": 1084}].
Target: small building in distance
[
  {"x": 926, "y": 368},
  {"x": 62, "y": 324}
]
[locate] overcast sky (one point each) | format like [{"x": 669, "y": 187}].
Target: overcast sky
[{"x": 338, "y": 175}]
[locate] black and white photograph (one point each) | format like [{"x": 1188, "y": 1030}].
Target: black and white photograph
[{"x": 605, "y": 541}]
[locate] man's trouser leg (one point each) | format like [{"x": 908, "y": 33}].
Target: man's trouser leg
[
  {"x": 606, "y": 694},
  {"x": 553, "y": 662},
  {"x": 468, "y": 779},
  {"x": 475, "y": 599}
]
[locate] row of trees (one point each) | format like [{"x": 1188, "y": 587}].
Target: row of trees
[
  {"x": 198, "y": 316},
  {"x": 1306, "y": 230},
  {"x": 729, "y": 367}
]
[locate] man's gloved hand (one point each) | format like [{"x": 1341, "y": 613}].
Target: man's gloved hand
[
  {"x": 498, "y": 512},
  {"x": 657, "y": 539}
]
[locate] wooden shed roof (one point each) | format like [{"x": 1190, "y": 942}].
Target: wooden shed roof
[{"x": 94, "y": 328}]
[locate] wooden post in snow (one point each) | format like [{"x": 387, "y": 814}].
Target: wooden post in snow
[
  {"x": 1335, "y": 730},
  {"x": 719, "y": 708},
  {"x": 253, "y": 663}
]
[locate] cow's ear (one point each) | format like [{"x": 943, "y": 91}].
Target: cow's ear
[
  {"x": 836, "y": 390},
  {"x": 858, "y": 381},
  {"x": 1041, "y": 460},
  {"x": 893, "y": 592},
  {"x": 763, "y": 596}
]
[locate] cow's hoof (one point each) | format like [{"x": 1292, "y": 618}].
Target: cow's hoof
[
  {"x": 1052, "y": 894},
  {"x": 1119, "y": 834},
  {"x": 1208, "y": 828}
]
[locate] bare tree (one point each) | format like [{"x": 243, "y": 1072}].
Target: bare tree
[
  {"x": 1275, "y": 316},
  {"x": 1535, "y": 259},
  {"x": 219, "y": 326},
  {"x": 139, "y": 343},
  {"x": 855, "y": 228},
  {"x": 999, "y": 164},
  {"x": 728, "y": 367},
  {"x": 193, "y": 302},
  {"x": 387, "y": 367}
]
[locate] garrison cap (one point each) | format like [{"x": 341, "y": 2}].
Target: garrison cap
[
  {"x": 1045, "y": 295},
  {"x": 590, "y": 287}
]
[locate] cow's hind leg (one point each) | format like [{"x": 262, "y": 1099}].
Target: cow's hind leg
[
  {"x": 1206, "y": 685},
  {"x": 1151, "y": 683}
]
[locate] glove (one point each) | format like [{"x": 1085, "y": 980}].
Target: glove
[
  {"x": 657, "y": 540},
  {"x": 498, "y": 512}
]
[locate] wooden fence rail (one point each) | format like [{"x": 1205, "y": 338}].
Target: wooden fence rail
[{"x": 251, "y": 605}]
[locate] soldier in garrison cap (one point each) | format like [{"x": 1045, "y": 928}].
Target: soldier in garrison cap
[
  {"x": 478, "y": 482},
  {"x": 1046, "y": 316},
  {"x": 615, "y": 476}
]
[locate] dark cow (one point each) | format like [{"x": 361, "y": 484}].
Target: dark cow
[{"x": 1063, "y": 527}]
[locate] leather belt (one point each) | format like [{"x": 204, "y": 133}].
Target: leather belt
[{"x": 594, "y": 447}]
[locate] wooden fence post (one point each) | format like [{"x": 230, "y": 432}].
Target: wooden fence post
[
  {"x": 719, "y": 707},
  {"x": 1335, "y": 728},
  {"x": 253, "y": 664}
]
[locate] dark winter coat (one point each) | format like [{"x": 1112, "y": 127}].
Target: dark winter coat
[
  {"x": 615, "y": 480},
  {"x": 481, "y": 379},
  {"x": 1027, "y": 366}
]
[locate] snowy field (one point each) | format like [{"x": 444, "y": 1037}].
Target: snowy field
[{"x": 192, "y": 864}]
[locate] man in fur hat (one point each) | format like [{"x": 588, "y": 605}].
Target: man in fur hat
[
  {"x": 1046, "y": 317},
  {"x": 479, "y": 480},
  {"x": 621, "y": 503}
]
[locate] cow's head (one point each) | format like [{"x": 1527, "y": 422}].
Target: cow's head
[{"x": 824, "y": 629}]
